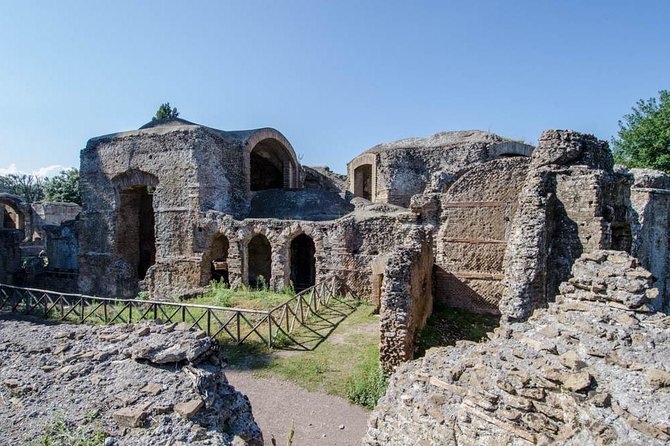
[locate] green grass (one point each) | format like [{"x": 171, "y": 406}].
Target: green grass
[
  {"x": 448, "y": 325},
  {"x": 221, "y": 295},
  {"x": 346, "y": 364},
  {"x": 60, "y": 432}
]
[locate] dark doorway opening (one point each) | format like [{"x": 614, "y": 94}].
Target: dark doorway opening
[
  {"x": 270, "y": 166},
  {"x": 136, "y": 240},
  {"x": 303, "y": 263},
  {"x": 11, "y": 218},
  {"x": 363, "y": 181},
  {"x": 260, "y": 261},
  {"x": 218, "y": 253}
]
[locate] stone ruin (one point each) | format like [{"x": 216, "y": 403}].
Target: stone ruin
[
  {"x": 38, "y": 243},
  {"x": 467, "y": 219},
  {"x": 591, "y": 369}
]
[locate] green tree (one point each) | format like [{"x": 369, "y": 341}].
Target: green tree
[
  {"x": 165, "y": 112},
  {"x": 63, "y": 187},
  {"x": 29, "y": 187},
  {"x": 644, "y": 135}
]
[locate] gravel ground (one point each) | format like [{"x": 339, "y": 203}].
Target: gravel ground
[{"x": 318, "y": 417}]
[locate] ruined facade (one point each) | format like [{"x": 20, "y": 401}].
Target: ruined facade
[
  {"x": 466, "y": 219},
  {"x": 38, "y": 243}
]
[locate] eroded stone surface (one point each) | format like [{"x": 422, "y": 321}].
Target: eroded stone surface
[
  {"x": 116, "y": 380},
  {"x": 588, "y": 370}
]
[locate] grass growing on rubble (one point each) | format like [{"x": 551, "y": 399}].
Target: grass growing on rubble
[{"x": 345, "y": 364}]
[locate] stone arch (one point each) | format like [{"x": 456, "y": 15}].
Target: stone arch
[
  {"x": 302, "y": 261},
  {"x": 259, "y": 261},
  {"x": 477, "y": 211},
  {"x": 135, "y": 220},
  {"x": 11, "y": 214},
  {"x": 271, "y": 162},
  {"x": 215, "y": 260}
]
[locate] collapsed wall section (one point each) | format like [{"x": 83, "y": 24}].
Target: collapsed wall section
[
  {"x": 589, "y": 370},
  {"x": 571, "y": 202}
]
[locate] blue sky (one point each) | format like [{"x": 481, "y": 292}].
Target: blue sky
[{"x": 335, "y": 77}]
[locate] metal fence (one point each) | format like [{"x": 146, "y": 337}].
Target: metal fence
[{"x": 275, "y": 328}]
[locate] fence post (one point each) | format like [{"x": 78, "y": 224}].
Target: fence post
[
  {"x": 209, "y": 321},
  {"x": 269, "y": 330},
  {"x": 82, "y": 309}
]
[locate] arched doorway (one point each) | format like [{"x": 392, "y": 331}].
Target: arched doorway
[
  {"x": 218, "y": 259},
  {"x": 363, "y": 181},
  {"x": 303, "y": 263},
  {"x": 271, "y": 166},
  {"x": 260, "y": 261},
  {"x": 135, "y": 235},
  {"x": 10, "y": 217}
]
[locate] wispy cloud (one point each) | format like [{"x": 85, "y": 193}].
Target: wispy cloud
[{"x": 47, "y": 171}]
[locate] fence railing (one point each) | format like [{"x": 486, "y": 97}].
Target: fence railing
[{"x": 275, "y": 327}]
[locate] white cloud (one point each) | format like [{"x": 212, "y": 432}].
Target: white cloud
[
  {"x": 8, "y": 170},
  {"x": 47, "y": 171}
]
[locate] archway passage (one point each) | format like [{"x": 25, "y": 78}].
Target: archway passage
[
  {"x": 303, "y": 263},
  {"x": 136, "y": 240},
  {"x": 363, "y": 181},
  {"x": 260, "y": 261},
  {"x": 10, "y": 218},
  {"x": 271, "y": 166},
  {"x": 218, "y": 253}
]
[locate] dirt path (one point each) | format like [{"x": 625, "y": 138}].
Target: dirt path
[{"x": 318, "y": 417}]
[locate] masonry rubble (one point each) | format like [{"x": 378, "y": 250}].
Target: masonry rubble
[
  {"x": 591, "y": 369},
  {"x": 141, "y": 384}
]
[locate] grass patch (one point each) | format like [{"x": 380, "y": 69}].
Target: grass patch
[
  {"x": 221, "y": 295},
  {"x": 60, "y": 432},
  {"x": 346, "y": 364},
  {"x": 448, "y": 325}
]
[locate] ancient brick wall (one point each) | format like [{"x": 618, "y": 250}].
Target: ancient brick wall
[{"x": 474, "y": 224}]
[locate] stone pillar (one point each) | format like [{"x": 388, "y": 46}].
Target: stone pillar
[{"x": 650, "y": 203}]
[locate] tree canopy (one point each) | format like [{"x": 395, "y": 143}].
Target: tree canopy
[
  {"x": 63, "y": 187},
  {"x": 644, "y": 135},
  {"x": 29, "y": 187},
  {"x": 165, "y": 112},
  {"x": 32, "y": 188}
]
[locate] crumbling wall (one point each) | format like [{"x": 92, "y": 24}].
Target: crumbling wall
[
  {"x": 474, "y": 219},
  {"x": 650, "y": 201},
  {"x": 10, "y": 254},
  {"x": 568, "y": 205},
  {"x": 406, "y": 299},
  {"x": 591, "y": 369},
  {"x": 412, "y": 166}
]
